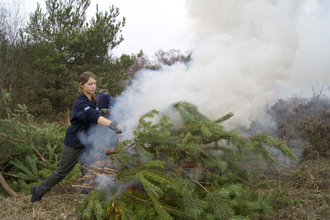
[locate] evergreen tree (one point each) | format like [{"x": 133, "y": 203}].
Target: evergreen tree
[
  {"x": 193, "y": 171},
  {"x": 61, "y": 44}
]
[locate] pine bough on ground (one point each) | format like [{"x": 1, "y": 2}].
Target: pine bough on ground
[{"x": 191, "y": 172}]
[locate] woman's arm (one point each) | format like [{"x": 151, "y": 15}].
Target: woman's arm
[
  {"x": 103, "y": 121},
  {"x": 113, "y": 125}
]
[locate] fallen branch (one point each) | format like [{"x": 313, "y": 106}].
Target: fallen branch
[{"x": 6, "y": 188}]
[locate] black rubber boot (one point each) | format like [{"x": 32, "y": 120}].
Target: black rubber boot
[{"x": 34, "y": 197}]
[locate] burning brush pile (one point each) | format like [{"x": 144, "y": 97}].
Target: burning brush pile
[
  {"x": 102, "y": 170},
  {"x": 191, "y": 172}
]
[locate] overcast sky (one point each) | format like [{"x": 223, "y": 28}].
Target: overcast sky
[{"x": 150, "y": 25}]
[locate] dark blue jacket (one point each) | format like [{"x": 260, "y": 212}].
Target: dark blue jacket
[
  {"x": 84, "y": 113},
  {"x": 104, "y": 101}
]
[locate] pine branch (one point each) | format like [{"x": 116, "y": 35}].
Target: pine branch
[
  {"x": 182, "y": 171},
  {"x": 212, "y": 198},
  {"x": 29, "y": 143},
  {"x": 167, "y": 208},
  {"x": 224, "y": 118}
]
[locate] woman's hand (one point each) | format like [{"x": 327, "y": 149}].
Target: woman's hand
[{"x": 118, "y": 128}]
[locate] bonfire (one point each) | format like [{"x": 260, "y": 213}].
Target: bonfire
[{"x": 187, "y": 172}]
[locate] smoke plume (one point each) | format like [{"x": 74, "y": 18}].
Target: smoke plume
[{"x": 246, "y": 54}]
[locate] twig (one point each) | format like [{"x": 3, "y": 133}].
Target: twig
[
  {"x": 82, "y": 186},
  {"x": 9, "y": 174},
  {"x": 113, "y": 170},
  {"x": 96, "y": 168}
]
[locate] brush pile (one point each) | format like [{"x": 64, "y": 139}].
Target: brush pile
[
  {"x": 100, "y": 169},
  {"x": 106, "y": 170},
  {"x": 190, "y": 172}
]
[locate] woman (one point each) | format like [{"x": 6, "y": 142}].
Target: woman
[{"x": 84, "y": 114}]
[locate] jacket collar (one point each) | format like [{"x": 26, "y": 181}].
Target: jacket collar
[{"x": 92, "y": 103}]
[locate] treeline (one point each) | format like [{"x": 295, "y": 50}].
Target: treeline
[{"x": 41, "y": 60}]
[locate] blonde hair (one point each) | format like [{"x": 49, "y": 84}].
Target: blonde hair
[{"x": 82, "y": 79}]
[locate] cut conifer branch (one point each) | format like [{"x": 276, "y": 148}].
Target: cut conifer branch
[{"x": 193, "y": 171}]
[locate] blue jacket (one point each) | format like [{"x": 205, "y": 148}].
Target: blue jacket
[
  {"x": 84, "y": 113},
  {"x": 104, "y": 101}
]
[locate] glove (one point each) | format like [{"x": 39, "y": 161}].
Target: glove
[
  {"x": 118, "y": 128},
  {"x": 105, "y": 112}
]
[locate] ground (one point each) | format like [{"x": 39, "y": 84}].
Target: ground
[
  {"x": 307, "y": 184},
  {"x": 60, "y": 203}
]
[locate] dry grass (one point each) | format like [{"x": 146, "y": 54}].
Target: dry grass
[
  {"x": 308, "y": 191},
  {"x": 60, "y": 203}
]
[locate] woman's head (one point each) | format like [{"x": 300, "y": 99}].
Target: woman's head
[{"x": 87, "y": 85}]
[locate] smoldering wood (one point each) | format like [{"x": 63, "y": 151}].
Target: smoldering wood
[
  {"x": 106, "y": 169},
  {"x": 86, "y": 177},
  {"x": 113, "y": 151},
  {"x": 110, "y": 152},
  {"x": 105, "y": 163},
  {"x": 96, "y": 168},
  {"x": 104, "y": 176}
]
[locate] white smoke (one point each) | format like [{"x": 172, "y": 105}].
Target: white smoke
[
  {"x": 244, "y": 49},
  {"x": 311, "y": 64}
]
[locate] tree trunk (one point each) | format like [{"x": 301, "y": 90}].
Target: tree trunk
[{"x": 5, "y": 187}]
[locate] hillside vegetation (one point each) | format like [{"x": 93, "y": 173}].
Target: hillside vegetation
[
  {"x": 195, "y": 170},
  {"x": 301, "y": 187}
]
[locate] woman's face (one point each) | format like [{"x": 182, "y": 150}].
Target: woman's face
[{"x": 89, "y": 87}]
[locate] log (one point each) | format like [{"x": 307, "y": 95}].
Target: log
[{"x": 6, "y": 188}]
